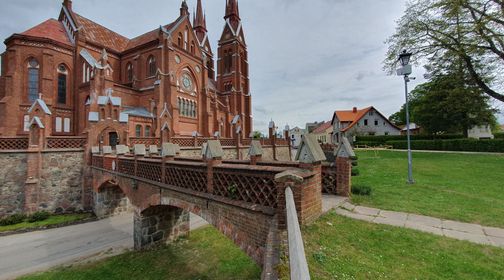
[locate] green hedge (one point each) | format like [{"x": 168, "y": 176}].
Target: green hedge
[
  {"x": 499, "y": 135},
  {"x": 468, "y": 145},
  {"x": 382, "y": 139}
]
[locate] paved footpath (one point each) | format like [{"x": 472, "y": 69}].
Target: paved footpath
[
  {"x": 30, "y": 252},
  {"x": 463, "y": 231}
]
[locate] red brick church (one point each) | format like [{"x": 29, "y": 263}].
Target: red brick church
[{"x": 74, "y": 77}]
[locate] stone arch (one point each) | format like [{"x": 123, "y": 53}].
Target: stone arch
[
  {"x": 96, "y": 131},
  {"x": 110, "y": 200},
  {"x": 173, "y": 214}
]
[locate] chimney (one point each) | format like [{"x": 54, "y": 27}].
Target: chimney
[{"x": 354, "y": 109}]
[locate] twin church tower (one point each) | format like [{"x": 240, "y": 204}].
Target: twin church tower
[{"x": 90, "y": 80}]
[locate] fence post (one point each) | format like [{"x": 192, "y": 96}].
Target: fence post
[
  {"x": 344, "y": 156},
  {"x": 168, "y": 152},
  {"x": 138, "y": 151},
  {"x": 255, "y": 152},
  {"x": 212, "y": 153}
]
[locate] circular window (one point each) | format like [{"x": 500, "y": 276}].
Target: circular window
[
  {"x": 198, "y": 69},
  {"x": 187, "y": 82},
  {"x": 177, "y": 59}
]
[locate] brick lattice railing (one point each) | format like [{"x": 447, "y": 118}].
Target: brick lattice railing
[
  {"x": 147, "y": 141},
  {"x": 13, "y": 143},
  {"x": 251, "y": 184},
  {"x": 65, "y": 142}
]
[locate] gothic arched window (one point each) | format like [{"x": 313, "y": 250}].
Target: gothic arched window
[
  {"x": 33, "y": 79},
  {"x": 192, "y": 47},
  {"x": 129, "y": 72},
  {"x": 138, "y": 131},
  {"x": 151, "y": 66},
  {"x": 147, "y": 131},
  {"x": 179, "y": 42},
  {"x": 62, "y": 84}
]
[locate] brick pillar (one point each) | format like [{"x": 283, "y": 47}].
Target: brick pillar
[
  {"x": 255, "y": 159},
  {"x": 210, "y": 167},
  {"x": 343, "y": 176},
  {"x": 287, "y": 138},
  {"x": 159, "y": 224}
]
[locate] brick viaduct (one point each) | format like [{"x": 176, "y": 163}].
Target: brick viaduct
[{"x": 243, "y": 199}]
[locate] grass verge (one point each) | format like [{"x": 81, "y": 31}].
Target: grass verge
[
  {"x": 462, "y": 187},
  {"x": 53, "y": 220},
  {"x": 341, "y": 248}
]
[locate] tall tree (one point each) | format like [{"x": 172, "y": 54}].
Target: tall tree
[
  {"x": 451, "y": 102},
  {"x": 472, "y": 30}
]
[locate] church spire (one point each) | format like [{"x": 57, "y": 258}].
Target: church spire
[
  {"x": 199, "y": 18},
  {"x": 232, "y": 10},
  {"x": 184, "y": 9}
]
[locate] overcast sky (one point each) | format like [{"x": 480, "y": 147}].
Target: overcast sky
[{"x": 307, "y": 57}]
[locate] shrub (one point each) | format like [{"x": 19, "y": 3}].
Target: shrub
[
  {"x": 499, "y": 135},
  {"x": 12, "y": 220},
  {"x": 355, "y": 163},
  {"x": 382, "y": 139},
  {"x": 361, "y": 190},
  {"x": 38, "y": 216},
  {"x": 468, "y": 145},
  {"x": 355, "y": 171}
]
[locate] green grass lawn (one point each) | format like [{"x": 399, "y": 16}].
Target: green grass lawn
[
  {"x": 462, "y": 187},
  {"x": 336, "y": 248},
  {"x": 341, "y": 248},
  {"x": 206, "y": 254},
  {"x": 52, "y": 220}
]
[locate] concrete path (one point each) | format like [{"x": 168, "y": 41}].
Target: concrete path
[
  {"x": 40, "y": 250},
  {"x": 463, "y": 231}
]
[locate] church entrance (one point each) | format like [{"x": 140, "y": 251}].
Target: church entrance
[{"x": 113, "y": 139}]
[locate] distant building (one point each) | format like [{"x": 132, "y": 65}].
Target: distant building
[
  {"x": 480, "y": 132},
  {"x": 367, "y": 121},
  {"x": 295, "y": 136},
  {"x": 323, "y": 133},
  {"x": 414, "y": 129},
  {"x": 311, "y": 126}
]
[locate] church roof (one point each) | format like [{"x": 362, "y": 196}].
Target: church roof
[
  {"x": 50, "y": 29},
  {"x": 101, "y": 35},
  {"x": 137, "y": 112},
  {"x": 147, "y": 37}
]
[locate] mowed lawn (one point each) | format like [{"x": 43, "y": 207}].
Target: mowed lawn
[
  {"x": 336, "y": 248},
  {"x": 462, "y": 187},
  {"x": 341, "y": 248}
]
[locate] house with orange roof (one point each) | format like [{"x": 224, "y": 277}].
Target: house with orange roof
[
  {"x": 324, "y": 132},
  {"x": 366, "y": 121}
]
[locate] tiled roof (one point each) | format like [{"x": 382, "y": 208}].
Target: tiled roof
[
  {"x": 101, "y": 35},
  {"x": 50, "y": 29},
  {"x": 351, "y": 116},
  {"x": 147, "y": 37},
  {"x": 138, "y": 112},
  {"x": 322, "y": 128}
]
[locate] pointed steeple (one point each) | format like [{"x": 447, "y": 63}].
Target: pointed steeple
[
  {"x": 184, "y": 9},
  {"x": 232, "y": 10},
  {"x": 199, "y": 18}
]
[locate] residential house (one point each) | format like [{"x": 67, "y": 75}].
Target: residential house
[
  {"x": 367, "y": 121},
  {"x": 323, "y": 133},
  {"x": 295, "y": 136}
]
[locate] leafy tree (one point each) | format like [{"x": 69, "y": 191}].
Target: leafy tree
[
  {"x": 471, "y": 30},
  {"x": 451, "y": 102},
  {"x": 256, "y": 135}
]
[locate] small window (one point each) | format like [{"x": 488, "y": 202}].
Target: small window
[
  {"x": 66, "y": 125},
  {"x": 129, "y": 72},
  {"x": 151, "y": 66},
  {"x": 147, "y": 131},
  {"x": 365, "y": 122},
  {"x": 138, "y": 131},
  {"x": 179, "y": 42},
  {"x": 26, "y": 123},
  {"x": 386, "y": 133},
  {"x": 59, "y": 124},
  {"x": 371, "y": 113},
  {"x": 371, "y": 134},
  {"x": 376, "y": 122}
]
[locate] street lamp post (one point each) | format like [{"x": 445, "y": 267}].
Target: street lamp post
[{"x": 406, "y": 70}]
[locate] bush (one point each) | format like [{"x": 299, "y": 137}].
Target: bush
[
  {"x": 468, "y": 145},
  {"x": 361, "y": 190},
  {"x": 12, "y": 220},
  {"x": 355, "y": 171},
  {"x": 382, "y": 139},
  {"x": 499, "y": 135},
  {"x": 38, "y": 216}
]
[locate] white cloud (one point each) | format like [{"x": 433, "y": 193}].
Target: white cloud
[{"x": 307, "y": 58}]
